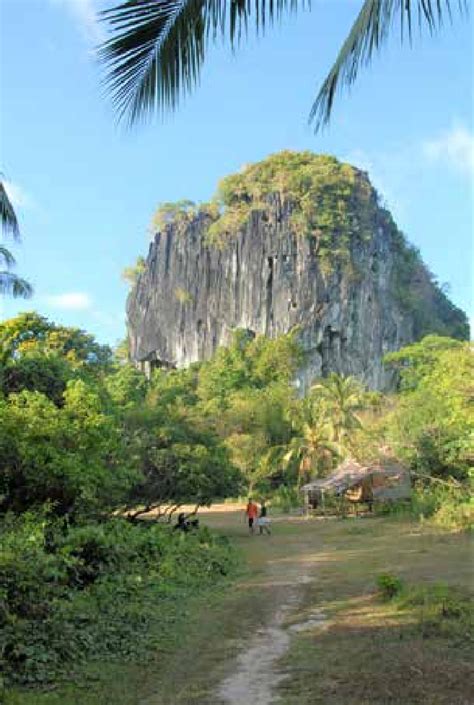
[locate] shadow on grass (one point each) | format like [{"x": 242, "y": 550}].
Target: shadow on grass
[{"x": 387, "y": 662}]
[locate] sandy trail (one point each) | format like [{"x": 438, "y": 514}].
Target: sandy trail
[
  {"x": 255, "y": 675},
  {"x": 238, "y": 659}
]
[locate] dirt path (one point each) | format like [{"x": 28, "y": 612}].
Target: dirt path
[
  {"x": 255, "y": 674},
  {"x": 283, "y": 566},
  {"x": 248, "y": 629}
]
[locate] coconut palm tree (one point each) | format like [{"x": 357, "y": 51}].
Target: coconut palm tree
[
  {"x": 10, "y": 283},
  {"x": 157, "y": 47},
  {"x": 314, "y": 447},
  {"x": 342, "y": 397}
]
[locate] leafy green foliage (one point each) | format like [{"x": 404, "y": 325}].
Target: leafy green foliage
[
  {"x": 179, "y": 460},
  {"x": 433, "y": 425},
  {"x": 132, "y": 274},
  {"x": 389, "y": 585},
  {"x": 37, "y": 372},
  {"x": 95, "y": 591},
  {"x": 245, "y": 391},
  {"x": 448, "y": 505},
  {"x": 330, "y": 201},
  {"x": 436, "y": 610},
  {"x": 31, "y": 333},
  {"x": 313, "y": 449},
  {"x": 178, "y": 213},
  {"x": 82, "y": 436},
  {"x": 415, "y": 362},
  {"x": 95, "y": 436},
  {"x": 126, "y": 386},
  {"x": 74, "y": 456},
  {"x": 286, "y": 498},
  {"x": 86, "y": 439},
  {"x": 342, "y": 397}
]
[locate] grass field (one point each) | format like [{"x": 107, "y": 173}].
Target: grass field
[{"x": 359, "y": 650}]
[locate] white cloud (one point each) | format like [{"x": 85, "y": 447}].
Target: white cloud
[
  {"x": 70, "y": 301},
  {"x": 84, "y": 13},
  {"x": 454, "y": 147},
  {"x": 18, "y": 196}
]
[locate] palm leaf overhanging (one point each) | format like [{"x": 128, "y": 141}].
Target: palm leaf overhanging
[
  {"x": 10, "y": 283},
  {"x": 6, "y": 257},
  {"x": 8, "y": 218},
  {"x": 368, "y": 33},
  {"x": 13, "y": 285},
  {"x": 157, "y": 48}
]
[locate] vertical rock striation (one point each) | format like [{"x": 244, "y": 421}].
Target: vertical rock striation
[{"x": 268, "y": 280}]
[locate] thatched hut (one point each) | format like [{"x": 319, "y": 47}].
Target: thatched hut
[{"x": 385, "y": 482}]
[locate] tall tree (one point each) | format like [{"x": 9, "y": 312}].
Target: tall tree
[
  {"x": 314, "y": 446},
  {"x": 342, "y": 397},
  {"x": 10, "y": 283},
  {"x": 158, "y": 47}
]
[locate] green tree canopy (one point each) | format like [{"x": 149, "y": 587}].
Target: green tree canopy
[
  {"x": 73, "y": 457},
  {"x": 38, "y": 355}
]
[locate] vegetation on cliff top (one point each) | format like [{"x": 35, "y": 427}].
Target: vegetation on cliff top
[
  {"x": 335, "y": 205},
  {"x": 326, "y": 199}
]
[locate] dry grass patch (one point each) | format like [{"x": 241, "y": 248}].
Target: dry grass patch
[{"x": 406, "y": 651}]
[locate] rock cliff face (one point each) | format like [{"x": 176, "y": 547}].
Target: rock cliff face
[{"x": 267, "y": 279}]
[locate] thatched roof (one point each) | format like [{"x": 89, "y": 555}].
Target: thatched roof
[{"x": 351, "y": 473}]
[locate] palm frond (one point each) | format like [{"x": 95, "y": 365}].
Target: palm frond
[
  {"x": 12, "y": 285},
  {"x": 7, "y": 214},
  {"x": 7, "y": 257},
  {"x": 158, "y": 47},
  {"x": 369, "y": 31}
]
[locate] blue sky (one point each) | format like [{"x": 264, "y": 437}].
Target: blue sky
[{"x": 85, "y": 189}]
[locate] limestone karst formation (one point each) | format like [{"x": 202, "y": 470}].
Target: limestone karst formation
[{"x": 298, "y": 240}]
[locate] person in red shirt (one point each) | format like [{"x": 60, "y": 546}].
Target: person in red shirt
[{"x": 251, "y": 512}]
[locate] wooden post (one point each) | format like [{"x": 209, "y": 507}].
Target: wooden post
[{"x": 306, "y": 503}]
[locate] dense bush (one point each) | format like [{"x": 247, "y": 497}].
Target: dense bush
[
  {"x": 286, "y": 498},
  {"x": 389, "y": 585},
  {"x": 89, "y": 434},
  {"x": 448, "y": 506},
  {"x": 95, "y": 590},
  {"x": 74, "y": 456},
  {"x": 432, "y": 425}
]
